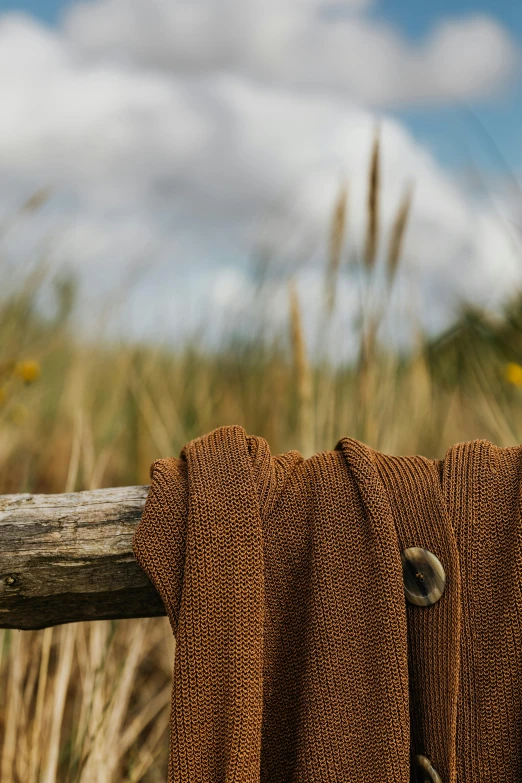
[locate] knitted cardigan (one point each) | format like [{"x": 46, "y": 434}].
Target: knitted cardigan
[{"x": 298, "y": 658}]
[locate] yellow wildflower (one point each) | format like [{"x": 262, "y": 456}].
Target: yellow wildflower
[
  {"x": 28, "y": 370},
  {"x": 514, "y": 373},
  {"x": 19, "y": 413}
]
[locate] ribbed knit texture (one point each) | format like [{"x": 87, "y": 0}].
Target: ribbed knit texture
[{"x": 298, "y": 658}]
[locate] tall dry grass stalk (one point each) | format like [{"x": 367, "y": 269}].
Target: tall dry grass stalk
[
  {"x": 335, "y": 248},
  {"x": 369, "y": 365},
  {"x": 372, "y": 226},
  {"x": 398, "y": 231},
  {"x": 366, "y": 424},
  {"x": 61, "y": 684},
  {"x": 13, "y": 709},
  {"x": 303, "y": 375},
  {"x": 325, "y": 412},
  {"x": 37, "y": 727}
]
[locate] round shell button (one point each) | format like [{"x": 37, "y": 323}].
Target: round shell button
[
  {"x": 423, "y": 574},
  {"x": 423, "y": 771}
]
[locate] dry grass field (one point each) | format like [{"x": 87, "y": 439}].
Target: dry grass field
[{"x": 90, "y": 701}]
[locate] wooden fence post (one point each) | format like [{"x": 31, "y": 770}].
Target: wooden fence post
[{"x": 66, "y": 558}]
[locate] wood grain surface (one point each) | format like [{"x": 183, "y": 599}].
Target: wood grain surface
[{"x": 66, "y": 558}]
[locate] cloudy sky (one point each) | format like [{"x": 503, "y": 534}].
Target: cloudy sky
[{"x": 181, "y": 137}]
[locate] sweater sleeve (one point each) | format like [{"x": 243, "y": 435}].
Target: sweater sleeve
[
  {"x": 200, "y": 540},
  {"x": 159, "y": 542}
]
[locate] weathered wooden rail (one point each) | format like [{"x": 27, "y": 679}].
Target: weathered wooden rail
[{"x": 66, "y": 558}]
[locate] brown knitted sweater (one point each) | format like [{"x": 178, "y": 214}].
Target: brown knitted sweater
[{"x": 298, "y": 657}]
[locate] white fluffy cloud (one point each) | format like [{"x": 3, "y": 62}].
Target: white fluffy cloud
[
  {"x": 187, "y": 133},
  {"x": 306, "y": 44}
]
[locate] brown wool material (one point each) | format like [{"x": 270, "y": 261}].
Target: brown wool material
[{"x": 298, "y": 658}]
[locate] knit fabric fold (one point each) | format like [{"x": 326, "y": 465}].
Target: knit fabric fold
[
  {"x": 298, "y": 659},
  {"x": 200, "y": 542}
]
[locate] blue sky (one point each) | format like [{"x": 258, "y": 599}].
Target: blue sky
[
  {"x": 450, "y": 133},
  {"x": 411, "y": 16},
  {"x": 447, "y": 129}
]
